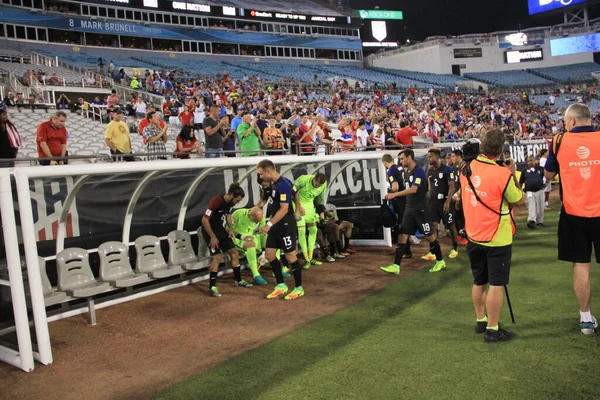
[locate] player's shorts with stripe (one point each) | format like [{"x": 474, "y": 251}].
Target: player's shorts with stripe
[
  {"x": 283, "y": 235},
  {"x": 416, "y": 219},
  {"x": 576, "y": 237},
  {"x": 436, "y": 210},
  {"x": 225, "y": 242}
]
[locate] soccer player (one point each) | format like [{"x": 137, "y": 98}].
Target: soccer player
[
  {"x": 282, "y": 230},
  {"x": 245, "y": 222},
  {"x": 441, "y": 181},
  {"x": 395, "y": 179},
  {"x": 416, "y": 216},
  {"x": 265, "y": 198},
  {"x": 311, "y": 189},
  {"x": 220, "y": 240},
  {"x": 459, "y": 216}
]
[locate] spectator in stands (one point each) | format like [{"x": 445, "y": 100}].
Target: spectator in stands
[
  {"x": 20, "y": 101},
  {"x": 186, "y": 117},
  {"x": 139, "y": 108},
  {"x": 362, "y": 136},
  {"x": 250, "y": 136},
  {"x": 52, "y": 139},
  {"x": 135, "y": 84},
  {"x": 405, "y": 134},
  {"x": 111, "y": 69},
  {"x": 214, "y": 132},
  {"x": 237, "y": 120},
  {"x": 54, "y": 79},
  {"x": 199, "y": 113},
  {"x": 187, "y": 142},
  {"x": 145, "y": 122},
  {"x": 10, "y": 140},
  {"x": 155, "y": 137},
  {"x": 390, "y": 139},
  {"x": 116, "y": 137},
  {"x": 273, "y": 138},
  {"x": 63, "y": 102},
  {"x": 79, "y": 106},
  {"x": 112, "y": 101},
  {"x": 10, "y": 100}
]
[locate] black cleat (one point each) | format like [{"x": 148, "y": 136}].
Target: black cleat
[
  {"x": 480, "y": 327},
  {"x": 500, "y": 335},
  {"x": 531, "y": 225}
]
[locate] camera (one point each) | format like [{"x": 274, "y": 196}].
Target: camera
[{"x": 470, "y": 151}]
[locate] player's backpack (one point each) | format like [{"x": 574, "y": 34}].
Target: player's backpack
[{"x": 387, "y": 215}]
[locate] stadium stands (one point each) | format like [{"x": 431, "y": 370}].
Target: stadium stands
[
  {"x": 516, "y": 79},
  {"x": 448, "y": 81},
  {"x": 575, "y": 73},
  {"x": 86, "y": 137}
]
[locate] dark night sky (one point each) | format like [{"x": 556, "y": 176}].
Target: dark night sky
[{"x": 423, "y": 18}]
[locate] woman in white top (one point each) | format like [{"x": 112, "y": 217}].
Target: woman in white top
[
  {"x": 199, "y": 114},
  {"x": 140, "y": 108}
]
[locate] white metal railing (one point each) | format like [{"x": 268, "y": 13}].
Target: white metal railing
[
  {"x": 125, "y": 93},
  {"x": 23, "y": 357}
]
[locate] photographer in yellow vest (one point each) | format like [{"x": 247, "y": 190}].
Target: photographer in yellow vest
[{"x": 487, "y": 190}]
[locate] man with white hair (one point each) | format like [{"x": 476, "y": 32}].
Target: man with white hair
[{"x": 575, "y": 156}]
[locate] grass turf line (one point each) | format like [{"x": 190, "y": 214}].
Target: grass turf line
[{"x": 415, "y": 340}]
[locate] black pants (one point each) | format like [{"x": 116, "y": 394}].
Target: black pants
[{"x": 118, "y": 156}]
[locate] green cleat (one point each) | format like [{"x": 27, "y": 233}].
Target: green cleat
[
  {"x": 295, "y": 294},
  {"x": 214, "y": 292},
  {"x": 315, "y": 262},
  {"x": 280, "y": 289},
  {"x": 428, "y": 257},
  {"x": 330, "y": 259},
  {"x": 438, "y": 266},
  {"x": 391, "y": 269}
]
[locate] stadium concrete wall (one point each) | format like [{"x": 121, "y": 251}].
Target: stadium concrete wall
[{"x": 438, "y": 59}]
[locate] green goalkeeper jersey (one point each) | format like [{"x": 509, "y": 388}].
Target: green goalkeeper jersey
[
  {"x": 242, "y": 224},
  {"x": 307, "y": 192}
]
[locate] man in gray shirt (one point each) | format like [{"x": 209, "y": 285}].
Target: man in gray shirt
[{"x": 214, "y": 132}]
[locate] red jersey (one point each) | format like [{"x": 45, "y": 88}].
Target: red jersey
[
  {"x": 186, "y": 145},
  {"x": 186, "y": 118},
  {"x": 404, "y": 136},
  {"x": 53, "y": 137}
]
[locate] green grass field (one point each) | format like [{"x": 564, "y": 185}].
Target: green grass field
[{"x": 415, "y": 340}]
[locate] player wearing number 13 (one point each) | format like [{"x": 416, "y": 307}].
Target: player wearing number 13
[{"x": 281, "y": 230}]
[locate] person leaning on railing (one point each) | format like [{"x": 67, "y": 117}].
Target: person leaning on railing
[
  {"x": 52, "y": 139},
  {"x": 116, "y": 137}
]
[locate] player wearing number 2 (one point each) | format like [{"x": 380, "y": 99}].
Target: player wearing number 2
[
  {"x": 281, "y": 229},
  {"x": 441, "y": 182},
  {"x": 416, "y": 215}
]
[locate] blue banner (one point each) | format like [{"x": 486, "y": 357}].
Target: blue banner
[
  {"x": 73, "y": 23},
  {"x": 540, "y": 6}
]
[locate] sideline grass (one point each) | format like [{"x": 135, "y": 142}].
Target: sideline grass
[{"x": 415, "y": 340}]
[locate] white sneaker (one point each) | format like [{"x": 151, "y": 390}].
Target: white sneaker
[
  {"x": 414, "y": 240},
  {"x": 588, "y": 328}
]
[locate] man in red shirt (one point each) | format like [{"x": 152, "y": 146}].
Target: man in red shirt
[
  {"x": 144, "y": 122},
  {"x": 405, "y": 134},
  {"x": 52, "y": 139}
]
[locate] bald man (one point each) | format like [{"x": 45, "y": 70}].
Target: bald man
[
  {"x": 245, "y": 225},
  {"x": 575, "y": 156}
]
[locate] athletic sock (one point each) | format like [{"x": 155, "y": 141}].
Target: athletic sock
[
  {"x": 408, "y": 252},
  {"x": 455, "y": 246},
  {"x": 302, "y": 242},
  {"x": 332, "y": 249},
  {"x": 213, "y": 279},
  {"x": 312, "y": 239},
  {"x": 484, "y": 319},
  {"x": 237, "y": 273},
  {"x": 338, "y": 243},
  {"x": 346, "y": 243},
  {"x": 400, "y": 249},
  {"x": 437, "y": 250},
  {"x": 297, "y": 270},
  {"x": 586, "y": 316},
  {"x": 276, "y": 267},
  {"x": 252, "y": 262},
  {"x": 492, "y": 328}
]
